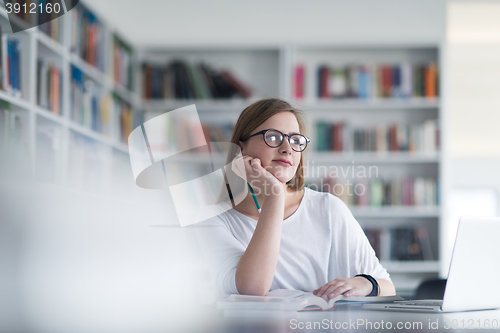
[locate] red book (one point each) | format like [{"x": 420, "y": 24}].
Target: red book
[
  {"x": 408, "y": 191},
  {"x": 388, "y": 81},
  {"x": 393, "y": 139},
  {"x": 383, "y": 81},
  {"x": 93, "y": 44},
  {"x": 90, "y": 46},
  {"x": 243, "y": 90},
  {"x": 325, "y": 74},
  {"x": 299, "y": 81}
]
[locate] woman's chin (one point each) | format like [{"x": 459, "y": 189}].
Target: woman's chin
[{"x": 282, "y": 178}]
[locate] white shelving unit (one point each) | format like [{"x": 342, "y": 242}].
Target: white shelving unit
[
  {"x": 372, "y": 111},
  {"x": 268, "y": 71},
  {"x": 62, "y": 136}
]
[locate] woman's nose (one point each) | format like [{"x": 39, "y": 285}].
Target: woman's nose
[{"x": 285, "y": 146}]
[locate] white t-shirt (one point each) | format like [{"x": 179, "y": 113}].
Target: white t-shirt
[{"x": 320, "y": 241}]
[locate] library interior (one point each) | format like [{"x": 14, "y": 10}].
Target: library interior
[{"x": 399, "y": 99}]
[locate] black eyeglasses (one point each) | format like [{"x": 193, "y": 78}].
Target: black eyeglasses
[{"x": 274, "y": 138}]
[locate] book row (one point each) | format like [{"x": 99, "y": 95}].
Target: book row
[
  {"x": 43, "y": 15},
  {"x": 87, "y": 37},
  {"x": 86, "y": 164},
  {"x": 340, "y": 137},
  {"x": 48, "y": 153},
  {"x": 122, "y": 70},
  {"x": 49, "y": 86},
  {"x": 217, "y": 133},
  {"x": 89, "y": 107},
  {"x": 182, "y": 80},
  {"x": 401, "y": 243},
  {"x": 375, "y": 192},
  {"x": 10, "y": 65},
  {"x": 125, "y": 119},
  {"x": 13, "y": 127},
  {"x": 370, "y": 81},
  {"x": 51, "y": 27}
]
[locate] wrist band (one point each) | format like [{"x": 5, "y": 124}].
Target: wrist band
[{"x": 376, "y": 289}]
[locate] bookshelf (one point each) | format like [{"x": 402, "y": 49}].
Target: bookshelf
[
  {"x": 377, "y": 104},
  {"x": 63, "y": 107},
  {"x": 102, "y": 97}
]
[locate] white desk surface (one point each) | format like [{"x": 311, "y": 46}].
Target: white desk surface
[{"x": 353, "y": 318}]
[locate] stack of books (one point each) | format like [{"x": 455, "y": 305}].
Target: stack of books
[
  {"x": 218, "y": 132},
  {"x": 21, "y": 13},
  {"x": 182, "y": 80},
  {"x": 402, "y": 243},
  {"x": 49, "y": 22},
  {"x": 361, "y": 81},
  {"x": 125, "y": 119},
  {"x": 375, "y": 192},
  {"x": 10, "y": 65},
  {"x": 49, "y": 79},
  {"x": 122, "y": 69},
  {"x": 340, "y": 137},
  {"x": 89, "y": 107},
  {"x": 87, "y": 37}
]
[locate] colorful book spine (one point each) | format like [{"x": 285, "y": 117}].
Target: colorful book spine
[
  {"x": 51, "y": 26},
  {"x": 122, "y": 64},
  {"x": 89, "y": 106},
  {"x": 299, "y": 81},
  {"x": 362, "y": 81},
  {"x": 49, "y": 78},
  {"x": 340, "y": 137},
  {"x": 87, "y": 37},
  {"x": 125, "y": 119},
  {"x": 375, "y": 192},
  {"x": 11, "y": 66},
  {"x": 181, "y": 80}
]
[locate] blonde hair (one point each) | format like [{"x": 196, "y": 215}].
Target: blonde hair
[{"x": 256, "y": 114}]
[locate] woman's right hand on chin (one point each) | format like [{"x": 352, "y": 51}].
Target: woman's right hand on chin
[{"x": 261, "y": 180}]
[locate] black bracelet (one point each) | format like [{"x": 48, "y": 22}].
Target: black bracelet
[{"x": 374, "y": 283}]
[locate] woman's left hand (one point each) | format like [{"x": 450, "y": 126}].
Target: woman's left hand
[{"x": 355, "y": 286}]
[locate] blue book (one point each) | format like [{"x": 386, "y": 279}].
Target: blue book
[
  {"x": 396, "y": 81},
  {"x": 76, "y": 75},
  {"x": 12, "y": 66},
  {"x": 95, "y": 115},
  {"x": 363, "y": 80}
]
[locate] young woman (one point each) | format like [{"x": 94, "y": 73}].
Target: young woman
[{"x": 301, "y": 239}]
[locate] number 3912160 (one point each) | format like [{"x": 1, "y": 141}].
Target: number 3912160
[{"x": 32, "y": 8}]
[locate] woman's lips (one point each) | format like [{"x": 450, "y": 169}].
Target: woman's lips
[{"x": 283, "y": 163}]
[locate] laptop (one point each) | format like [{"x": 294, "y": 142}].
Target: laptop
[{"x": 474, "y": 272}]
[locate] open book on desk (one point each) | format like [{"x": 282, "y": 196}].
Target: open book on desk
[{"x": 294, "y": 300}]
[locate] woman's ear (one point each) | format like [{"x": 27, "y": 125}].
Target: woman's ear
[{"x": 242, "y": 147}]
